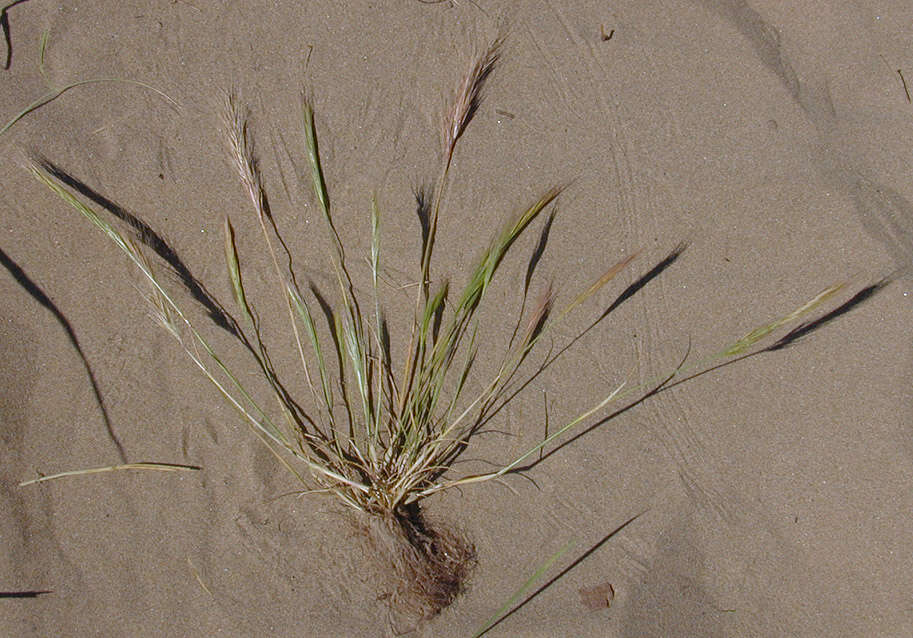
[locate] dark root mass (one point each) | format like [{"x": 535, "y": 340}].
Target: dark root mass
[{"x": 423, "y": 567}]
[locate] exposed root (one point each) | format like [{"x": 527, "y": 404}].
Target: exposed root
[{"x": 423, "y": 568}]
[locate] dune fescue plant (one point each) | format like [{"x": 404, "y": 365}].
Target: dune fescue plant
[{"x": 381, "y": 434}]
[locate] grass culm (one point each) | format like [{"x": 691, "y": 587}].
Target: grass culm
[{"x": 380, "y": 435}]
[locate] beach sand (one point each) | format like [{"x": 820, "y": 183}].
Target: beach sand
[{"x": 772, "y": 496}]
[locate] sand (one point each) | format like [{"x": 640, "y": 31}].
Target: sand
[{"x": 771, "y": 496}]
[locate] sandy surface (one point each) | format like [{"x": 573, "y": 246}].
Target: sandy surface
[{"x": 774, "y": 494}]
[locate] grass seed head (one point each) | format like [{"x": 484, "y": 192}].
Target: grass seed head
[{"x": 468, "y": 96}]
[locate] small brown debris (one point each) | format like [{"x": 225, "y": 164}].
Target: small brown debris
[{"x": 597, "y": 597}]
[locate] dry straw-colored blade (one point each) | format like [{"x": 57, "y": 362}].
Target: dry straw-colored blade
[
  {"x": 56, "y": 92},
  {"x": 160, "y": 467},
  {"x": 606, "y": 277}
]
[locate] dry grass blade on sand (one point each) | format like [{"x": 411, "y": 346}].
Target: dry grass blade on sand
[
  {"x": 159, "y": 467},
  {"x": 55, "y": 92}
]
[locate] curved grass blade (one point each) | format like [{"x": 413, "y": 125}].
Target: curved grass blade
[
  {"x": 160, "y": 467},
  {"x": 55, "y": 93}
]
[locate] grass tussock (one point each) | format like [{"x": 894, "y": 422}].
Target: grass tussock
[{"x": 381, "y": 434}]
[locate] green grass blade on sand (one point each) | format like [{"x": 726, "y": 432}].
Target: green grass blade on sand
[
  {"x": 304, "y": 314},
  {"x": 234, "y": 273},
  {"x": 536, "y": 575}
]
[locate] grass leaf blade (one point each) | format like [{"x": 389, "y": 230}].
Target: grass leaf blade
[
  {"x": 160, "y": 467},
  {"x": 536, "y": 575},
  {"x": 234, "y": 272}
]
